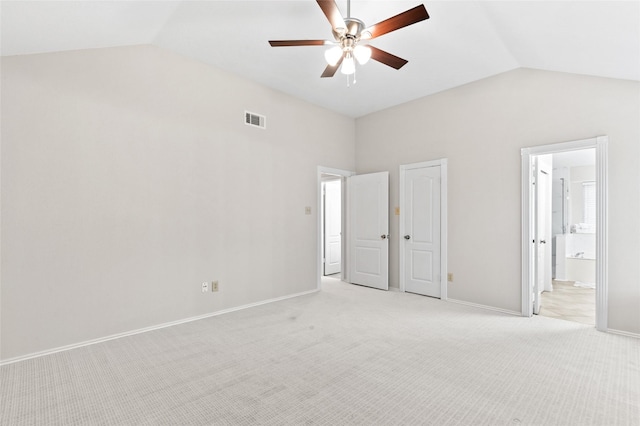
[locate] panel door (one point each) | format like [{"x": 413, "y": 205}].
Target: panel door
[
  {"x": 369, "y": 228},
  {"x": 543, "y": 181},
  {"x": 421, "y": 239}
]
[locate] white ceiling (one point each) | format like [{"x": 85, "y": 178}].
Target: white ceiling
[{"x": 463, "y": 41}]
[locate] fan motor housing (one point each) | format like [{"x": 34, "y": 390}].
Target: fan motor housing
[{"x": 352, "y": 31}]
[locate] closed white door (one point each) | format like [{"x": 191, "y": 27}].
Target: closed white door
[
  {"x": 332, "y": 227},
  {"x": 420, "y": 228},
  {"x": 369, "y": 228},
  {"x": 543, "y": 182}
]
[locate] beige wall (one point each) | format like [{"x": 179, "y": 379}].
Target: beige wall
[
  {"x": 480, "y": 128},
  {"x": 128, "y": 178}
]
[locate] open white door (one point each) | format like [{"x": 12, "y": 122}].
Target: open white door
[
  {"x": 369, "y": 228},
  {"x": 332, "y": 227},
  {"x": 542, "y": 194},
  {"x": 420, "y": 246}
]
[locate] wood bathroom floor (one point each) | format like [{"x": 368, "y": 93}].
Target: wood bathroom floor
[{"x": 570, "y": 303}]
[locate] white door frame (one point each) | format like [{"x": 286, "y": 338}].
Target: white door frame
[
  {"x": 443, "y": 221},
  {"x": 345, "y": 244},
  {"x": 600, "y": 143}
]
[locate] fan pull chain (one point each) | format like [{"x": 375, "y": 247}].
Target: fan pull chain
[{"x": 354, "y": 79}]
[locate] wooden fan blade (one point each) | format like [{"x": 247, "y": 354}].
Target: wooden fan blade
[
  {"x": 404, "y": 19},
  {"x": 387, "y": 58},
  {"x": 330, "y": 70},
  {"x": 331, "y": 11},
  {"x": 285, "y": 43}
]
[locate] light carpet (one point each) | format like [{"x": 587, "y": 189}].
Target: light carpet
[{"x": 345, "y": 355}]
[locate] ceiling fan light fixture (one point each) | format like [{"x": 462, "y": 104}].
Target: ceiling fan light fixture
[
  {"x": 348, "y": 65},
  {"x": 333, "y": 55},
  {"x": 362, "y": 54}
]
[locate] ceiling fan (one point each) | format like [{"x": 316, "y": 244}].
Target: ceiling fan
[{"x": 348, "y": 32}]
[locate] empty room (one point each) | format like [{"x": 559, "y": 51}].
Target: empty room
[{"x": 320, "y": 212}]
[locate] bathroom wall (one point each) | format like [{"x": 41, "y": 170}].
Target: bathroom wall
[
  {"x": 579, "y": 175},
  {"x": 559, "y": 216}
]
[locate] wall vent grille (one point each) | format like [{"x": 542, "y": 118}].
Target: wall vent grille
[{"x": 255, "y": 120}]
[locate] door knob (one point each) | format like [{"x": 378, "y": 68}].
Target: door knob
[
  {"x": 383, "y": 236},
  {"x": 543, "y": 242},
  {"x": 407, "y": 237}
]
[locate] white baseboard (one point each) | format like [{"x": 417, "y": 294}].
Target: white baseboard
[
  {"x": 623, "y": 333},
  {"x": 146, "y": 329},
  {"x": 506, "y": 311},
  {"x": 490, "y": 308}
]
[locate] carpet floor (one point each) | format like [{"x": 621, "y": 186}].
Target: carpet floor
[{"x": 345, "y": 355}]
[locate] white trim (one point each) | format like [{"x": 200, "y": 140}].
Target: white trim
[
  {"x": 485, "y": 307},
  {"x": 600, "y": 143},
  {"x": 442, "y": 163},
  {"x": 527, "y": 231},
  {"x": 344, "y": 275},
  {"x": 444, "y": 245},
  {"x": 624, "y": 333},
  {"x": 602, "y": 232},
  {"x": 146, "y": 329}
]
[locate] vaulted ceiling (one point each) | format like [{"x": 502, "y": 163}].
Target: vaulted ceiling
[{"x": 463, "y": 41}]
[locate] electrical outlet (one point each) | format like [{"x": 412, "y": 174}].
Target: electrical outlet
[
  {"x": 214, "y": 285},
  {"x": 450, "y": 277},
  {"x": 307, "y": 210},
  {"x": 205, "y": 287}
]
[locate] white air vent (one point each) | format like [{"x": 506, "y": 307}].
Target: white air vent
[{"x": 257, "y": 120}]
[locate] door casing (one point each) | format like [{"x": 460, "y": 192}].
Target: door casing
[{"x": 600, "y": 143}]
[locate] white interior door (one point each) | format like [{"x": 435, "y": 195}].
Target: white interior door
[
  {"x": 369, "y": 228},
  {"x": 332, "y": 227},
  {"x": 543, "y": 190},
  {"x": 420, "y": 226}
]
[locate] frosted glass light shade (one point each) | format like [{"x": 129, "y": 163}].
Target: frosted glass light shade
[
  {"x": 333, "y": 55},
  {"x": 362, "y": 54},
  {"x": 348, "y": 65}
]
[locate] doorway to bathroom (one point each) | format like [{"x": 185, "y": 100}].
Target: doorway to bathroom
[
  {"x": 569, "y": 294},
  {"x": 564, "y": 231}
]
